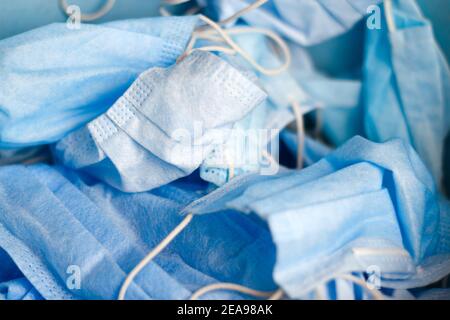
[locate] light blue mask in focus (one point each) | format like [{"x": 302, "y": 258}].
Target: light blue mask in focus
[
  {"x": 363, "y": 205},
  {"x": 54, "y": 79},
  {"x": 165, "y": 124},
  {"x": 407, "y": 84},
  {"x": 305, "y": 22}
]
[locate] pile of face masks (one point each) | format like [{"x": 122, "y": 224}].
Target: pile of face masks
[{"x": 214, "y": 156}]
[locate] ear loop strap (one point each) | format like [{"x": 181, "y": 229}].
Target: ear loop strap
[
  {"x": 243, "y": 11},
  {"x": 275, "y": 295},
  {"x": 147, "y": 259},
  {"x": 389, "y": 15},
  {"x": 235, "y": 48},
  {"x": 89, "y": 17},
  {"x": 376, "y": 294}
]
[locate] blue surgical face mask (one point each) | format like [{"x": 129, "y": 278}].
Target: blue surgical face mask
[
  {"x": 406, "y": 85},
  {"x": 363, "y": 205},
  {"x": 302, "y": 21},
  {"x": 75, "y": 238},
  {"x": 54, "y": 79},
  {"x": 159, "y": 127}
]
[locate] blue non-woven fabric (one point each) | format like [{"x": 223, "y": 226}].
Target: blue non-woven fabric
[
  {"x": 364, "y": 204},
  {"x": 54, "y": 79},
  {"x": 69, "y": 221}
]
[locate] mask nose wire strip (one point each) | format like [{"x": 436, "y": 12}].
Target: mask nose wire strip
[
  {"x": 387, "y": 4},
  {"x": 237, "y": 49},
  {"x": 236, "y": 287},
  {"x": 147, "y": 259},
  {"x": 89, "y": 17},
  {"x": 300, "y": 133}
]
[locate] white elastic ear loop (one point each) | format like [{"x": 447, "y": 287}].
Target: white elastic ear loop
[
  {"x": 389, "y": 15},
  {"x": 164, "y": 12},
  {"x": 163, "y": 244},
  {"x": 270, "y": 295},
  {"x": 88, "y": 17},
  {"x": 376, "y": 294},
  {"x": 243, "y": 11},
  {"x": 236, "y": 49},
  {"x": 190, "y": 48},
  {"x": 300, "y": 133},
  {"x": 239, "y": 30}
]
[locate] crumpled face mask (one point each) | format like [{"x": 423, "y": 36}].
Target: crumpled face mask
[
  {"x": 363, "y": 205},
  {"x": 75, "y": 238},
  {"x": 164, "y": 126},
  {"x": 407, "y": 84},
  {"x": 54, "y": 79},
  {"x": 305, "y": 22}
]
